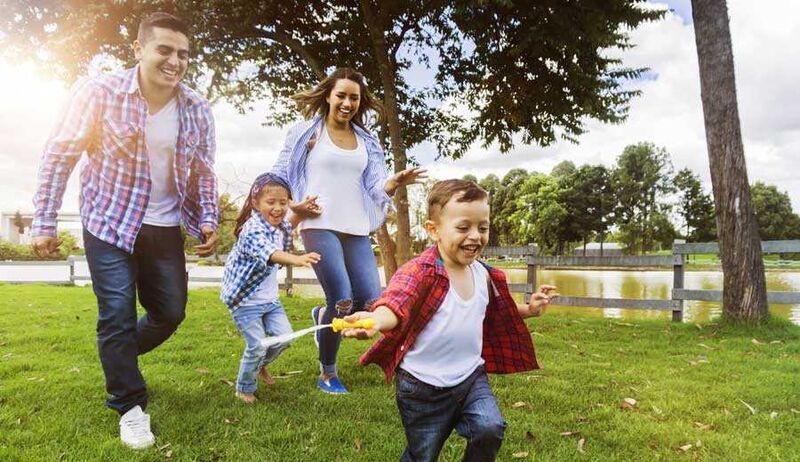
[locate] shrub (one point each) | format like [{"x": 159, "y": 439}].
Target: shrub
[{"x": 23, "y": 252}]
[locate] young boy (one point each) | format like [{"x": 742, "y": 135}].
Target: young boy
[{"x": 447, "y": 320}]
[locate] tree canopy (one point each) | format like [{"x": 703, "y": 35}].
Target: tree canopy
[
  {"x": 519, "y": 67},
  {"x": 695, "y": 207},
  {"x": 498, "y": 72},
  {"x": 776, "y": 218}
]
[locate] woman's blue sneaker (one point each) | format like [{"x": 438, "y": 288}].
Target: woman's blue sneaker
[
  {"x": 316, "y": 316},
  {"x": 331, "y": 385}
]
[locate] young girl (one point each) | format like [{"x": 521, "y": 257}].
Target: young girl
[{"x": 250, "y": 282}]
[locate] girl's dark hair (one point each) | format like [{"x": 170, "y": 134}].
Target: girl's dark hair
[
  {"x": 312, "y": 101},
  {"x": 259, "y": 186}
]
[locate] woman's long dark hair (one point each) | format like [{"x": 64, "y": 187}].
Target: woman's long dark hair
[{"x": 312, "y": 101}]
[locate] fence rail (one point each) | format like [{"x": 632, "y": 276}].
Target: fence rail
[
  {"x": 677, "y": 260},
  {"x": 674, "y": 304}
]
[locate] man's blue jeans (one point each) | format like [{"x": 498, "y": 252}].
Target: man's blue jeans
[
  {"x": 256, "y": 322},
  {"x": 157, "y": 271},
  {"x": 348, "y": 274},
  {"x": 430, "y": 414}
]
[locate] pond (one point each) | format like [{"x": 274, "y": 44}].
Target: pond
[{"x": 655, "y": 285}]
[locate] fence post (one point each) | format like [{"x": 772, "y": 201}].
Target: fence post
[
  {"x": 71, "y": 261},
  {"x": 677, "y": 283},
  {"x": 531, "y": 280},
  {"x": 289, "y": 285}
]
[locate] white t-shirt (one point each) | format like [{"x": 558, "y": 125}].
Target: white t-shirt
[
  {"x": 267, "y": 291},
  {"x": 335, "y": 174},
  {"x": 449, "y": 348},
  {"x": 161, "y": 136}
]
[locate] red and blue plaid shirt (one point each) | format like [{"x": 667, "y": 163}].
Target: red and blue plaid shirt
[
  {"x": 416, "y": 292},
  {"x": 105, "y": 117}
]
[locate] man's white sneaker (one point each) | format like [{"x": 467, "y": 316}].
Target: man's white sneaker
[{"x": 134, "y": 429}]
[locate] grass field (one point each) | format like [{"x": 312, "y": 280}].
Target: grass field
[{"x": 711, "y": 392}]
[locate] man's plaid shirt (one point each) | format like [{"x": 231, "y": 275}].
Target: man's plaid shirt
[
  {"x": 105, "y": 117},
  {"x": 416, "y": 292},
  {"x": 248, "y": 262}
]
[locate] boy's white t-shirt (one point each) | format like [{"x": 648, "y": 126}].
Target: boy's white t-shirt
[
  {"x": 335, "y": 175},
  {"x": 449, "y": 348},
  {"x": 160, "y": 136}
]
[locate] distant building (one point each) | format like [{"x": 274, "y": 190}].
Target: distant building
[
  {"x": 610, "y": 249},
  {"x": 9, "y": 231}
]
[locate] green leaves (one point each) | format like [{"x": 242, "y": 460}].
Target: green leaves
[
  {"x": 776, "y": 218},
  {"x": 528, "y": 68}
]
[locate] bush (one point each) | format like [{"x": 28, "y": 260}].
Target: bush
[
  {"x": 23, "y": 252},
  {"x": 17, "y": 252}
]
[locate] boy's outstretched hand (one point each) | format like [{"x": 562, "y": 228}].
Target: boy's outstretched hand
[
  {"x": 361, "y": 334},
  {"x": 539, "y": 301}
]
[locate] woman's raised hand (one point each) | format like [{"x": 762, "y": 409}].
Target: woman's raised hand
[
  {"x": 308, "y": 208},
  {"x": 413, "y": 175}
]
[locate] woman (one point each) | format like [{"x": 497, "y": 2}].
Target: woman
[{"x": 333, "y": 156}]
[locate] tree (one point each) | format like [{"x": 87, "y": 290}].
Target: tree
[
  {"x": 504, "y": 205},
  {"x": 641, "y": 177},
  {"x": 470, "y": 177},
  {"x": 589, "y": 201},
  {"x": 744, "y": 289},
  {"x": 492, "y": 185},
  {"x": 522, "y": 70},
  {"x": 563, "y": 169},
  {"x": 228, "y": 212},
  {"x": 695, "y": 207},
  {"x": 776, "y": 219},
  {"x": 539, "y": 215}
]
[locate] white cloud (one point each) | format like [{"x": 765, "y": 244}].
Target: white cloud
[{"x": 668, "y": 113}]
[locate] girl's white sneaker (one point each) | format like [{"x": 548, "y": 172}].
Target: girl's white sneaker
[{"x": 134, "y": 429}]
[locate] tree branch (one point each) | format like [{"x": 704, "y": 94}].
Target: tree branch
[
  {"x": 296, "y": 46},
  {"x": 400, "y": 37}
]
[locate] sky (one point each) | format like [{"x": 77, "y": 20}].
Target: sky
[{"x": 668, "y": 113}]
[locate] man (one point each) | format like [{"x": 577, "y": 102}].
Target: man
[{"x": 150, "y": 147}]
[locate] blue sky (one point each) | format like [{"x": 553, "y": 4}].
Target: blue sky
[{"x": 682, "y": 8}]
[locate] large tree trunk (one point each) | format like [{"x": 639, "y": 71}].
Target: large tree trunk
[
  {"x": 744, "y": 287},
  {"x": 386, "y": 71},
  {"x": 387, "y": 252}
]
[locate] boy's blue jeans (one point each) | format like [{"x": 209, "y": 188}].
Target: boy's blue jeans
[
  {"x": 429, "y": 414},
  {"x": 348, "y": 274},
  {"x": 256, "y": 322}
]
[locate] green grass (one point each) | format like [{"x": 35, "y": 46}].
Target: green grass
[{"x": 690, "y": 383}]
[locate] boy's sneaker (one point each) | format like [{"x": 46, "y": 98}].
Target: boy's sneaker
[
  {"x": 134, "y": 429},
  {"x": 331, "y": 385},
  {"x": 316, "y": 316}
]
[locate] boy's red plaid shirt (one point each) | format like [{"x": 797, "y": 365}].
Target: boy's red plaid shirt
[{"x": 417, "y": 291}]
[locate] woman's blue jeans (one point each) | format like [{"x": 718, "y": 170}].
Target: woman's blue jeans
[
  {"x": 256, "y": 322},
  {"x": 348, "y": 274}
]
